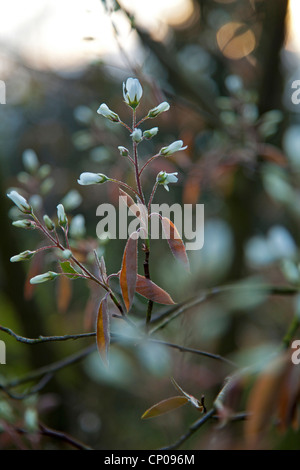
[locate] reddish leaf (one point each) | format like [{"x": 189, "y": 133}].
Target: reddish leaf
[
  {"x": 272, "y": 153},
  {"x": 102, "y": 333},
  {"x": 164, "y": 407},
  {"x": 175, "y": 243},
  {"x": 264, "y": 399},
  {"x": 64, "y": 293},
  {"x": 151, "y": 291},
  {"x": 128, "y": 274}
]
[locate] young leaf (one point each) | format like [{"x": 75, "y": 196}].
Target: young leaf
[
  {"x": 128, "y": 274},
  {"x": 68, "y": 270},
  {"x": 103, "y": 332},
  {"x": 151, "y": 291},
  {"x": 165, "y": 406},
  {"x": 175, "y": 243},
  {"x": 196, "y": 403}
]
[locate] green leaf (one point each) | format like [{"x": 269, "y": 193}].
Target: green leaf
[{"x": 68, "y": 270}]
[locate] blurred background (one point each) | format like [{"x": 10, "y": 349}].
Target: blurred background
[{"x": 227, "y": 68}]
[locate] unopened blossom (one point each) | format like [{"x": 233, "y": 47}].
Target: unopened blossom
[
  {"x": 24, "y": 256},
  {"x": 132, "y": 92},
  {"x": 124, "y": 152},
  {"x": 137, "y": 135},
  {"x": 25, "y": 223},
  {"x": 165, "y": 178},
  {"x": 172, "y": 148},
  {"x": 150, "y": 133},
  {"x": 61, "y": 215},
  {"x": 87, "y": 178},
  {"x": 77, "y": 226},
  {"x": 108, "y": 113},
  {"x": 49, "y": 223},
  {"x": 49, "y": 276},
  {"x": 161, "y": 108},
  {"x": 20, "y": 202}
]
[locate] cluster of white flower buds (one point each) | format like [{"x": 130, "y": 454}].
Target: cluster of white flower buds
[{"x": 132, "y": 93}]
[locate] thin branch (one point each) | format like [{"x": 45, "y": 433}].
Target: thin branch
[
  {"x": 58, "y": 435},
  {"x": 193, "y": 351},
  {"x": 192, "y": 429},
  {"x": 51, "y": 368},
  {"x": 165, "y": 318},
  {"x": 44, "y": 339},
  {"x": 114, "y": 337},
  {"x": 35, "y": 389}
]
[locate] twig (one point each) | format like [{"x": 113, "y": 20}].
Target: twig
[
  {"x": 114, "y": 337},
  {"x": 163, "y": 319},
  {"x": 192, "y": 429},
  {"x": 194, "y": 351},
  {"x": 37, "y": 388},
  {"x": 58, "y": 435},
  {"x": 51, "y": 368},
  {"x": 44, "y": 339}
]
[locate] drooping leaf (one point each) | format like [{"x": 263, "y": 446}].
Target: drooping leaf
[
  {"x": 152, "y": 291},
  {"x": 128, "y": 273},
  {"x": 68, "y": 270},
  {"x": 64, "y": 293},
  {"x": 175, "y": 242},
  {"x": 288, "y": 400},
  {"x": 165, "y": 406},
  {"x": 264, "y": 399},
  {"x": 103, "y": 330}
]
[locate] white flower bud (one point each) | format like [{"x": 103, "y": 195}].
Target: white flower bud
[
  {"x": 67, "y": 254},
  {"x": 166, "y": 178},
  {"x": 49, "y": 276},
  {"x": 71, "y": 200},
  {"x": 49, "y": 223},
  {"x": 124, "y": 152},
  {"x": 20, "y": 202},
  {"x": 61, "y": 215},
  {"x": 25, "y": 223},
  {"x": 77, "y": 226},
  {"x": 108, "y": 113},
  {"x": 30, "y": 160},
  {"x": 150, "y": 133},
  {"x": 132, "y": 92},
  {"x": 172, "y": 148},
  {"x": 137, "y": 135},
  {"x": 161, "y": 108},
  {"x": 92, "y": 178},
  {"x": 24, "y": 256}
]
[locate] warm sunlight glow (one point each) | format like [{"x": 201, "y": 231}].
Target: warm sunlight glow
[
  {"x": 70, "y": 34},
  {"x": 293, "y": 36},
  {"x": 235, "y": 40}
]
